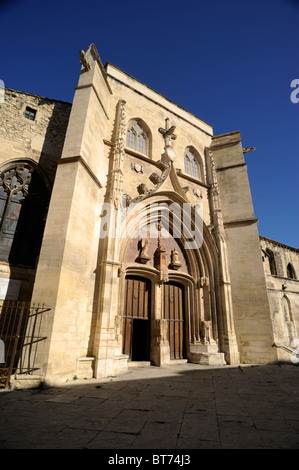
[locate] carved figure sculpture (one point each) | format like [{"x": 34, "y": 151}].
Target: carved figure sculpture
[
  {"x": 174, "y": 260},
  {"x": 143, "y": 256},
  {"x": 206, "y": 331},
  {"x": 142, "y": 189},
  {"x": 83, "y": 60}
]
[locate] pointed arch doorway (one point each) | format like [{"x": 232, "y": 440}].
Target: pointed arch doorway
[{"x": 136, "y": 319}]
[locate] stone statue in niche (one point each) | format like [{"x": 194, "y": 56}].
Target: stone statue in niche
[
  {"x": 143, "y": 256},
  {"x": 174, "y": 260},
  {"x": 206, "y": 327}
]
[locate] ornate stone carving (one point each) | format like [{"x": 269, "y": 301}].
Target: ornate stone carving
[
  {"x": 174, "y": 260},
  {"x": 119, "y": 150},
  {"x": 168, "y": 135},
  {"x": 204, "y": 281},
  {"x": 160, "y": 330},
  {"x": 197, "y": 193},
  {"x": 217, "y": 214},
  {"x": 160, "y": 257},
  {"x": 84, "y": 61},
  {"x": 142, "y": 189},
  {"x": 126, "y": 200},
  {"x": 121, "y": 270},
  {"x": 155, "y": 179},
  {"x": 206, "y": 332},
  {"x": 248, "y": 149},
  {"x": 143, "y": 256},
  {"x": 137, "y": 167},
  {"x": 116, "y": 181}
]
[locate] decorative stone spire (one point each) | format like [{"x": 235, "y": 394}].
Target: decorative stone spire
[
  {"x": 217, "y": 214},
  {"x": 118, "y": 154}
]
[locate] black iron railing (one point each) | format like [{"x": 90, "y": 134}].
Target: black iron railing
[{"x": 20, "y": 325}]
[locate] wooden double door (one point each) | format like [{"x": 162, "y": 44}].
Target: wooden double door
[{"x": 137, "y": 319}]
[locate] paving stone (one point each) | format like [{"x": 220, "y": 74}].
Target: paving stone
[
  {"x": 280, "y": 440},
  {"x": 189, "y": 407},
  {"x": 204, "y": 427},
  {"x": 111, "y": 440},
  {"x": 129, "y": 421},
  {"x": 195, "y": 443},
  {"x": 238, "y": 430}
]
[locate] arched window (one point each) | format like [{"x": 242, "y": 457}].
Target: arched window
[
  {"x": 23, "y": 203},
  {"x": 291, "y": 271},
  {"x": 137, "y": 138},
  {"x": 272, "y": 263},
  {"x": 191, "y": 164}
]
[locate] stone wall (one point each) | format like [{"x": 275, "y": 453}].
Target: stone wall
[
  {"x": 38, "y": 141},
  {"x": 283, "y": 293}
]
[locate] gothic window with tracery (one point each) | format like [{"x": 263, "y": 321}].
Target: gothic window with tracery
[
  {"x": 191, "y": 164},
  {"x": 137, "y": 138},
  {"x": 23, "y": 201}
]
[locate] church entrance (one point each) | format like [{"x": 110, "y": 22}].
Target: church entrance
[
  {"x": 136, "y": 319},
  {"x": 174, "y": 314}
]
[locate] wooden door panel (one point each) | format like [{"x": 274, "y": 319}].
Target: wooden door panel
[
  {"x": 137, "y": 306},
  {"x": 174, "y": 313}
]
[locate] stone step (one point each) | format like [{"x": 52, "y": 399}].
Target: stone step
[{"x": 139, "y": 363}]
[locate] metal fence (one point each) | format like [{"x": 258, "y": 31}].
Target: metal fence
[{"x": 20, "y": 325}]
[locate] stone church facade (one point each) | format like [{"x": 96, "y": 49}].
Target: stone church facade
[{"x": 134, "y": 224}]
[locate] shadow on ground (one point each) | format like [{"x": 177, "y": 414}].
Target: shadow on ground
[{"x": 177, "y": 407}]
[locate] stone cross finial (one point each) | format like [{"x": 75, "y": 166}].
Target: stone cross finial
[
  {"x": 168, "y": 135},
  {"x": 168, "y": 132}
]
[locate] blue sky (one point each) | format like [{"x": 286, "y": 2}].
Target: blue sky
[{"x": 229, "y": 62}]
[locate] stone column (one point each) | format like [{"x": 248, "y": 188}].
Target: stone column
[{"x": 160, "y": 350}]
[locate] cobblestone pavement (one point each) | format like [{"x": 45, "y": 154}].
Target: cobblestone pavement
[{"x": 185, "y": 406}]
